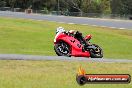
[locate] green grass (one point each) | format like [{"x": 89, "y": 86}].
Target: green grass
[
  {"x": 21, "y": 36},
  {"x": 56, "y": 74}
]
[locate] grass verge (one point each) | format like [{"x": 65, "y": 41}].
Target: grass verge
[{"x": 56, "y": 74}]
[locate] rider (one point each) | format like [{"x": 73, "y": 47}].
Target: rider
[
  {"x": 61, "y": 29},
  {"x": 76, "y": 34}
]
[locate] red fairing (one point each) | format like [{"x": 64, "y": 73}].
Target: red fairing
[{"x": 75, "y": 46}]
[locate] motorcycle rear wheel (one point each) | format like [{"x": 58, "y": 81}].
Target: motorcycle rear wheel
[{"x": 62, "y": 49}]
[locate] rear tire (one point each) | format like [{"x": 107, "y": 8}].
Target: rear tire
[{"x": 62, "y": 49}]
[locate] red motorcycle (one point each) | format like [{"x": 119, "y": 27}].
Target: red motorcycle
[{"x": 67, "y": 44}]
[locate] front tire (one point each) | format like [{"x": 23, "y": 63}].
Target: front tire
[
  {"x": 96, "y": 53},
  {"x": 62, "y": 49}
]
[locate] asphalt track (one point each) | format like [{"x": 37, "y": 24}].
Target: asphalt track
[
  {"x": 116, "y": 24},
  {"x": 119, "y": 24},
  {"x": 58, "y": 58}
]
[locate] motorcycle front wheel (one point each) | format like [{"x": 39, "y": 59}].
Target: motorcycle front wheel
[
  {"x": 96, "y": 53},
  {"x": 62, "y": 49}
]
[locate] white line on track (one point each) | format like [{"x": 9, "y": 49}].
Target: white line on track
[
  {"x": 103, "y": 26},
  {"x": 61, "y": 22},
  {"x": 122, "y": 28},
  {"x": 113, "y": 27},
  {"x": 40, "y": 20},
  {"x": 95, "y": 25},
  {"x": 84, "y": 24},
  {"x": 71, "y": 23}
]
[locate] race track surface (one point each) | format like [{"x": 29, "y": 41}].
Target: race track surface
[
  {"x": 116, "y": 24},
  {"x": 60, "y": 58}
]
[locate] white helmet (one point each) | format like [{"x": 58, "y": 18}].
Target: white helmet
[{"x": 59, "y": 29}]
